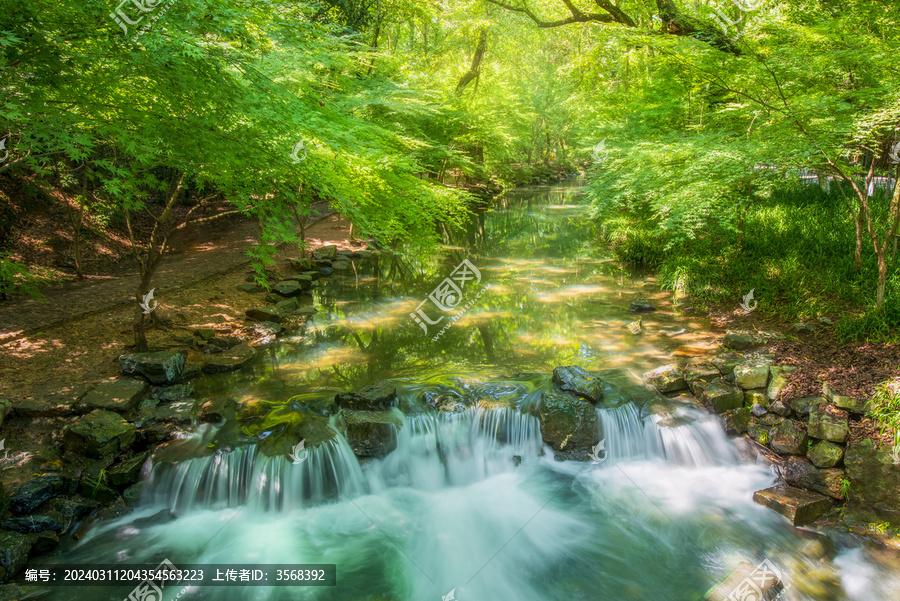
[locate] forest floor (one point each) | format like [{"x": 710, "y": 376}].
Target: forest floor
[{"x": 73, "y": 336}]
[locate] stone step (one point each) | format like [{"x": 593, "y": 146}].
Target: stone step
[{"x": 797, "y": 505}]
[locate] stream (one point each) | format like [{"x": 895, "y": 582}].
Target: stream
[{"x": 472, "y": 505}]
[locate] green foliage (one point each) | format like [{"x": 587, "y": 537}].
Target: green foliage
[
  {"x": 886, "y": 409},
  {"x": 16, "y": 279}
]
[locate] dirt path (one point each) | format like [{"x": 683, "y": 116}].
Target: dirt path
[
  {"x": 198, "y": 255},
  {"x": 76, "y": 339}
]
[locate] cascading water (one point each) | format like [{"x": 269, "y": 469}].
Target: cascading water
[{"x": 471, "y": 501}]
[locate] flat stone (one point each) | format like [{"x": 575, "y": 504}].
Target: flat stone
[
  {"x": 118, "y": 395},
  {"x": 740, "y": 340},
  {"x": 778, "y": 380},
  {"x": 853, "y": 405},
  {"x": 179, "y": 392},
  {"x": 160, "y": 367},
  {"x": 803, "y": 405},
  {"x": 326, "y": 271},
  {"x": 55, "y": 399},
  {"x": 802, "y": 473},
  {"x": 230, "y": 360},
  {"x": 766, "y": 584},
  {"x": 788, "y": 437},
  {"x": 304, "y": 280},
  {"x": 667, "y": 378},
  {"x": 99, "y": 433},
  {"x": 750, "y": 376},
  {"x": 641, "y": 306},
  {"x": 313, "y": 275},
  {"x": 578, "y": 381},
  {"x": 268, "y": 313},
  {"x": 372, "y": 433},
  {"x": 826, "y": 423},
  {"x": 287, "y": 305},
  {"x": 726, "y": 362},
  {"x": 326, "y": 252},
  {"x": 249, "y": 288},
  {"x": 825, "y": 454},
  {"x": 799, "y": 506},
  {"x": 719, "y": 395},
  {"x": 700, "y": 371},
  {"x": 379, "y": 396},
  {"x": 803, "y": 328}
]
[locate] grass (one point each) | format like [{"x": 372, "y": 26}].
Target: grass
[{"x": 796, "y": 253}]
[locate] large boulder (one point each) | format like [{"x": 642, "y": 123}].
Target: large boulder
[
  {"x": 799, "y": 506},
  {"x": 828, "y": 423},
  {"x": 159, "y": 367},
  {"x": 98, "y": 434},
  {"x": 874, "y": 479},
  {"x": 372, "y": 433},
  {"x": 851, "y": 404},
  {"x": 788, "y": 437},
  {"x": 120, "y": 395},
  {"x": 801, "y": 473},
  {"x": 578, "y": 381},
  {"x": 667, "y": 378},
  {"x": 230, "y": 360},
  {"x": 567, "y": 422},
  {"x": 719, "y": 395},
  {"x": 379, "y": 396}
]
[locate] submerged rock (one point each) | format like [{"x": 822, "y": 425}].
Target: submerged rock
[
  {"x": 229, "y": 360},
  {"x": 799, "y": 506},
  {"x": 159, "y": 367},
  {"x": 641, "y": 305},
  {"x": 375, "y": 397},
  {"x": 580, "y": 382},
  {"x": 766, "y": 584}
]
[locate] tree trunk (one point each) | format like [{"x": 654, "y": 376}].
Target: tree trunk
[
  {"x": 475, "y": 70},
  {"x": 857, "y": 257}
]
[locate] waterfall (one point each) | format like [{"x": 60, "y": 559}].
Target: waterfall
[
  {"x": 246, "y": 477},
  {"x": 684, "y": 437}
]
